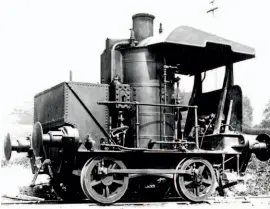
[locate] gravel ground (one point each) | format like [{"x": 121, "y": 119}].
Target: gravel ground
[{"x": 17, "y": 176}]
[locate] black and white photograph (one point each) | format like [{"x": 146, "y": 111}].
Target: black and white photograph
[{"x": 135, "y": 104}]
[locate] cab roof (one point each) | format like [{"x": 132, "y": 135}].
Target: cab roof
[{"x": 196, "y": 50}]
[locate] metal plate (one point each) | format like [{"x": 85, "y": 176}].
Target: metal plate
[
  {"x": 66, "y": 104},
  {"x": 195, "y": 50},
  {"x": 185, "y": 35},
  {"x": 7, "y": 147},
  {"x": 37, "y": 139}
]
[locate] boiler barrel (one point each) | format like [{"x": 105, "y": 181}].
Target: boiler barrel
[{"x": 142, "y": 71}]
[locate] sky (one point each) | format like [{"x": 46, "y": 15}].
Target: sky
[{"x": 41, "y": 41}]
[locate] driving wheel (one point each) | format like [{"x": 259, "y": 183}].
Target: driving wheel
[
  {"x": 101, "y": 187},
  {"x": 199, "y": 185}
]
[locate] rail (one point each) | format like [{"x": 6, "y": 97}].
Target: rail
[
  {"x": 137, "y": 104},
  {"x": 11, "y": 200}
]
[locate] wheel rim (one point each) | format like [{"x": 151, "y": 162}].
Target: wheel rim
[
  {"x": 175, "y": 177},
  {"x": 103, "y": 188},
  {"x": 82, "y": 177},
  {"x": 199, "y": 186}
]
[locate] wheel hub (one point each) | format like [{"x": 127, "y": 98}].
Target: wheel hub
[
  {"x": 198, "y": 179},
  {"x": 107, "y": 180}
]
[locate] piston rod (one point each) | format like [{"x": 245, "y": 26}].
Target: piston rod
[{"x": 146, "y": 171}]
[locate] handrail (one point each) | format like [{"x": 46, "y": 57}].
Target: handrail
[
  {"x": 146, "y": 104},
  {"x": 137, "y": 104}
]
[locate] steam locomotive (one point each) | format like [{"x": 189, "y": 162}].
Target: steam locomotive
[{"x": 94, "y": 140}]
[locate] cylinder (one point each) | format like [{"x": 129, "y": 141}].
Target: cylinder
[{"x": 143, "y": 25}]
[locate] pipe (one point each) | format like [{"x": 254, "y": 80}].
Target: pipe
[
  {"x": 137, "y": 126},
  {"x": 147, "y": 104},
  {"x": 117, "y": 44},
  {"x": 160, "y": 28},
  {"x": 177, "y": 109},
  {"x": 196, "y": 128},
  {"x": 223, "y": 162},
  {"x": 70, "y": 75},
  {"x": 237, "y": 164}
]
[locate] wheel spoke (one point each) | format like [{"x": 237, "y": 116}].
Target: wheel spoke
[
  {"x": 107, "y": 191},
  {"x": 113, "y": 166},
  {"x": 120, "y": 182},
  {"x": 188, "y": 183},
  {"x": 194, "y": 191},
  {"x": 201, "y": 169},
  {"x": 207, "y": 182},
  {"x": 95, "y": 183},
  {"x": 197, "y": 191}
]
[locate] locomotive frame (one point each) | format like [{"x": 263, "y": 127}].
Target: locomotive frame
[{"x": 93, "y": 139}]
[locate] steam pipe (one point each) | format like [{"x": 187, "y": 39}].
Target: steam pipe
[{"x": 117, "y": 44}]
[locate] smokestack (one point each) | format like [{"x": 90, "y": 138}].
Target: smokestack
[{"x": 143, "y": 25}]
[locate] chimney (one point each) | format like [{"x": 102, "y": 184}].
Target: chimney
[{"x": 143, "y": 25}]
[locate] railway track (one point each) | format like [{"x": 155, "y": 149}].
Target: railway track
[{"x": 24, "y": 200}]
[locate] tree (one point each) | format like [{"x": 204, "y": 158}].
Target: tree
[
  {"x": 25, "y": 115},
  {"x": 266, "y": 116},
  {"x": 247, "y": 112}
]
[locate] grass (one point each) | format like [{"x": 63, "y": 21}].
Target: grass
[
  {"x": 18, "y": 161},
  {"x": 259, "y": 183}
]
